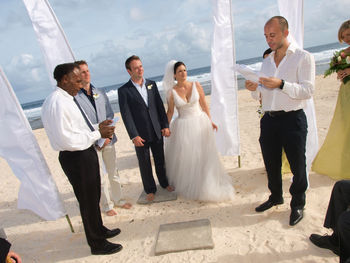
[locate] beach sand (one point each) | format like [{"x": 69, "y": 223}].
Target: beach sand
[{"x": 239, "y": 233}]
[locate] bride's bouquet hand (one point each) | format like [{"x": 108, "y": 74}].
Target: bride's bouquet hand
[
  {"x": 343, "y": 73},
  {"x": 214, "y": 126}
]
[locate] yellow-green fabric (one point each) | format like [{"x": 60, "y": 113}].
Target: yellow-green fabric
[
  {"x": 333, "y": 159},
  {"x": 285, "y": 163}
]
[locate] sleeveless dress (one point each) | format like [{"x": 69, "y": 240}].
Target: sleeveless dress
[
  {"x": 192, "y": 161},
  {"x": 333, "y": 159}
]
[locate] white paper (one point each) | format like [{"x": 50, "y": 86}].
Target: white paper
[
  {"x": 247, "y": 72},
  {"x": 101, "y": 141},
  {"x": 115, "y": 120}
]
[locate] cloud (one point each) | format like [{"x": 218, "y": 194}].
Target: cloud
[
  {"x": 24, "y": 71},
  {"x": 136, "y": 14}
]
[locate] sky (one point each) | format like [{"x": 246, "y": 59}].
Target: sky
[{"x": 106, "y": 32}]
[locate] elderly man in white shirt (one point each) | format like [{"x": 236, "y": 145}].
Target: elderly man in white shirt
[
  {"x": 289, "y": 81},
  {"x": 70, "y": 132}
]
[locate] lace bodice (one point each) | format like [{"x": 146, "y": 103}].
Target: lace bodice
[{"x": 190, "y": 107}]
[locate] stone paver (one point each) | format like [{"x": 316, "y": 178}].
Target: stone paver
[
  {"x": 162, "y": 195},
  {"x": 183, "y": 236}
]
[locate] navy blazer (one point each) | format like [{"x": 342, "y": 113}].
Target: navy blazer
[
  {"x": 140, "y": 119},
  {"x": 103, "y": 107}
]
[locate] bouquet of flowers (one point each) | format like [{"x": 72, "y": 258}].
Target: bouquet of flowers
[{"x": 339, "y": 61}]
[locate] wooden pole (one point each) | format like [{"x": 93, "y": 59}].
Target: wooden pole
[
  {"x": 70, "y": 224},
  {"x": 239, "y": 161}
]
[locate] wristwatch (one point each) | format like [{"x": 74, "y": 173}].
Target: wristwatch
[{"x": 282, "y": 84}]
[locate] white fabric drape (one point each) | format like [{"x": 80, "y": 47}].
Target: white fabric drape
[
  {"x": 223, "y": 104},
  {"x": 293, "y": 11},
  {"x": 52, "y": 40},
  {"x": 18, "y": 146}
]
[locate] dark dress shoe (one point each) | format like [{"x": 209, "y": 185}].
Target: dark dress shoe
[
  {"x": 107, "y": 249},
  {"x": 295, "y": 216},
  {"x": 324, "y": 242},
  {"x": 112, "y": 233},
  {"x": 267, "y": 205}
]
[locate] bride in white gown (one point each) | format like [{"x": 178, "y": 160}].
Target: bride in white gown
[{"x": 192, "y": 161}]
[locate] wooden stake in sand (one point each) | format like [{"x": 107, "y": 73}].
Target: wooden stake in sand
[{"x": 70, "y": 223}]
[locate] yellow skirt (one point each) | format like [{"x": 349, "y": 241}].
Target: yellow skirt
[{"x": 333, "y": 159}]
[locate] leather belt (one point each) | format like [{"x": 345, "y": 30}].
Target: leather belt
[{"x": 280, "y": 112}]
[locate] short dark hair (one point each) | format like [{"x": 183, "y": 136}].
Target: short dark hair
[
  {"x": 267, "y": 52},
  {"x": 128, "y": 61},
  {"x": 281, "y": 20},
  {"x": 178, "y": 64},
  {"x": 81, "y": 62},
  {"x": 63, "y": 69}
]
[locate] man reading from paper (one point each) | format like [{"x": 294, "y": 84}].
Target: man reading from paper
[
  {"x": 71, "y": 133},
  {"x": 290, "y": 82}
]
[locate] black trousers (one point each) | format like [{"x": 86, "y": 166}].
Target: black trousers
[
  {"x": 338, "y": 216},
  {"x": 143, "y": 156},
  {"x": 82, "y": 170},
  {"x": 288, "y": 131},
  {"x": 4, "y": 249}
]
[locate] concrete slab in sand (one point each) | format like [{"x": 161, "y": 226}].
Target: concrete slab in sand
[
  {"x": 183, "y": 236},
  {"x": 162, "y": 195}
]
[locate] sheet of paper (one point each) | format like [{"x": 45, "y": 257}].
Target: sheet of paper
[
  {"x": 115, "y": 120},
  {"x": 101, "y": 141},
  {"x": 247, "y": 72}
]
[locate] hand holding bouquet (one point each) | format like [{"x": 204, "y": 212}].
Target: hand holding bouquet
[{"x": 339, "y": 61}]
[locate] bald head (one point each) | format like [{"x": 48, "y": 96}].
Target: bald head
[{"x": 283, "y": 23}]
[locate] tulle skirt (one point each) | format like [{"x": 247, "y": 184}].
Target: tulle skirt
[{"x": 192, "y": 161}]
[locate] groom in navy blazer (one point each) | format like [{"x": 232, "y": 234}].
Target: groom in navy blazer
[{"x": 146, "y": 122}]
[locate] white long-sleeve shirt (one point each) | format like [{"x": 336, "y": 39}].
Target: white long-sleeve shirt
[
  {"x": 64, "y": 123},
  {"x": 297, "y": 69}
]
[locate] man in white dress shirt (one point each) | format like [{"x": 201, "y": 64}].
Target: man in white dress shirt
[
  {"x": 289, "y": 81},
  {"x": 70, "y": 132}
]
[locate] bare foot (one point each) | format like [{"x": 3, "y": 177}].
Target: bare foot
[
  {"x": 127, "y": 206},
  {"x": 150, "y": 197},
  {"x": 111, "y": 212},
  {"x": 170, "y": 188}
]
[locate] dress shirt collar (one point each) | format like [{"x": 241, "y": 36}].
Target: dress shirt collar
[
  {"x": 291, "y": 49},
  {"x": 139, "y": 86},
  {"x": 64, "y": 93}
]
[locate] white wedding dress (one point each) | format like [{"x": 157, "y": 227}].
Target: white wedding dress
[{"x": 192, "y": 161}]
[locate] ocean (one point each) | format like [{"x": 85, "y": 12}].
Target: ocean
[{"x": 322, "y": 55}]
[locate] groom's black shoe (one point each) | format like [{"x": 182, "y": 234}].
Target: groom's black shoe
[
  {"x": 268, "y": 204},
  {"x": 106, "y": 249},
  {"x": 324, "y": 242},
  {"x": 295, "y": 216},
  {"x": 112, "y": 233}
]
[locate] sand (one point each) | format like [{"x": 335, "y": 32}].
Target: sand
[{"x": 239, "y": 233}]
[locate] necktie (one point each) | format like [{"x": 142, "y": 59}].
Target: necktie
[{"x": 84, "y": 115}]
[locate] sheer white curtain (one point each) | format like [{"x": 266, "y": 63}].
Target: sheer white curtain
[
  {"x": 224, "y": 110},
  {"x": 52, "y": 40},
  {"x": 18, "y": 146},
  {"x": 293, "y": 11}
]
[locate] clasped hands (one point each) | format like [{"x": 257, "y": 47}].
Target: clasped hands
[
  {"x": 105, "y": 129},
  {"x": 270, "y": 83}
]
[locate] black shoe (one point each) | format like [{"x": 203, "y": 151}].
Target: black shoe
[
  {"x": 295, "y": 216},
  {"x": 107, "y": 249},
  {"x": 324, "y": 242},
  {"x": 112, "y": 233},
  {"x": 267, "y": 205}
]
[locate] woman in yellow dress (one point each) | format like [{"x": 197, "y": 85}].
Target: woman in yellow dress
[{"x": 333, "y": 159}]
